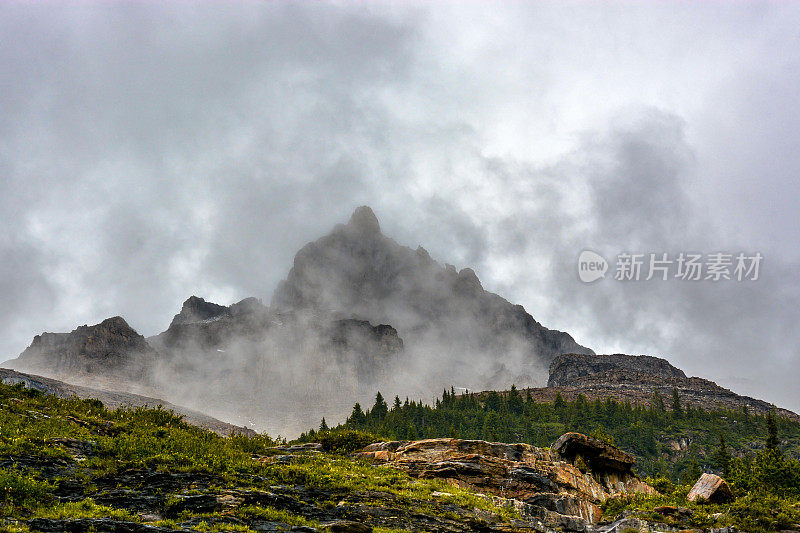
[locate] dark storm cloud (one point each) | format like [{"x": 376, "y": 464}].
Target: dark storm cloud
[{"x": 152, "y": 152}]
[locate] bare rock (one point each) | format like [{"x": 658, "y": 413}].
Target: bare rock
[
  {"x": 545, "y": 483},
  {"x": 358, "y": 271},
  {"x": 568, "y": 369},
  {"x": 601, "y": 457},
  {"x": 197, "y": 309},
  {"x": 712, "y": 488},
  {"x": 635, "y": 379},
  {"x": 111, "y": 348}
]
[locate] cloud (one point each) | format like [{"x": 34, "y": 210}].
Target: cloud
[{"x": 152, "y": 152}]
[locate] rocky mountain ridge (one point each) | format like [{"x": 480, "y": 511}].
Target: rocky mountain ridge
[
  {"x": 358, "y": 270},
  {"x": 110, "y": 347},
  {"x": 636, "y": 379},
  {"x": 357, "y": 312}
]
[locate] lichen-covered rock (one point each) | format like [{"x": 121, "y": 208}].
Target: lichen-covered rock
[
  {"x": 545, "y": 480},
  {"x": 712, "y": 488}
]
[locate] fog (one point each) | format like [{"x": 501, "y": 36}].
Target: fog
[{"x": 148, "y": 153}]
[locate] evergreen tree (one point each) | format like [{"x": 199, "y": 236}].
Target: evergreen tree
[
  {"x": 558, "y": 403},
  {"x": 657, "y": 403},
  {"x": 772, "y": 431},
  {"x": 380, "y": 409},
  {"x": 397, "y": 405},
  {"x": 515, "y": 403},
  {"x": 677, "y": 410},
  {"x": 323, "y": 426},
  {"x": 357, "y": 417},
  {"x": 722, "y": 457},
  {"x": 493, "y": 402}
]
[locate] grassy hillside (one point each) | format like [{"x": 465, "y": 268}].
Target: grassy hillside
[{"x": 74, "y": 465}]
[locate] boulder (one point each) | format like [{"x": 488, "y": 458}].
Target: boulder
[
  {"x": 595, "y": 453},
  {"x": 712, "y": 488}
]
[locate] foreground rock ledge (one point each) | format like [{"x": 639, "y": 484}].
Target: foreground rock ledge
[{"x": 545, "y": 483}]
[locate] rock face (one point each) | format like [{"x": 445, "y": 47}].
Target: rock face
[
  {"x": 111, "y": 347},
  {"x": 544, "y": 482},
  {"x": 358, "y": 271},
  {"x": 574, "y": 369},
  {"x": 712, "y": 488},
  {"x": 636, "y": 378},
  {"x": 599, "y": 456},
  {"x": 206, "y": 325},
  {"x": 375, "y": 347},
  {"x": 197, "y": 309},
  {"x": 206, "y": 334}
]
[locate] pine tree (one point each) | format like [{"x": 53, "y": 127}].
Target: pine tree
[
  {"x": 722, "y": 457},
  {"x": 558, "y": 403},
  {"x": 323, "y": 426},
  {"x": 357, "y": 417},
  {"x": 772, "y": 431},
  {"x": 380, "y": 409},
  {"x": 676, "y": 403},
  {"x": 397, "y": 405},
  {"x": 657, "y": 403},
  {"x": 515, "y": 404}
]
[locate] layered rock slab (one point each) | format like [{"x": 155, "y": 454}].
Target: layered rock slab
[{"x": 546, "y": 482}]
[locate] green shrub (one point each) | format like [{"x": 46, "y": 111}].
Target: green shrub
[
  {"x": 662, "y": 485},
  {"x": 21, "y": 491},
  {"x": 345, "y": 441}
]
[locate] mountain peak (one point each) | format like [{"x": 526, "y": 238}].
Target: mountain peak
[
  {"x": 364, "y": 221},
  {"x": 195, "y": 309}
]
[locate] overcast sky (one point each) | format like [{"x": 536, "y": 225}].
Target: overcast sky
[{"x": 148, "y": 153}]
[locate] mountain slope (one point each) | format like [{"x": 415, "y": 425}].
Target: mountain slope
[
  {"x": 358, "y": 271},
  {"x": 356, "y": 312},
  {"x": 116, "y": 399}
]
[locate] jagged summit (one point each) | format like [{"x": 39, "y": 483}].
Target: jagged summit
[
  {"x": 357, "y": 271},
  {"x": 195, "y": 309},
  {"x": 364, "y": 222}
]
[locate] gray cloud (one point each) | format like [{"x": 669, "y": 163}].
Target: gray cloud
[{"x": 148, "y": 153}]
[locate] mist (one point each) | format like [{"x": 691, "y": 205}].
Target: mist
[{"x": 148, "y": 153}]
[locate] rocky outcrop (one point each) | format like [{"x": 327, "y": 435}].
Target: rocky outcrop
[
  {"x": 110, "y": 348},
  {"x": 197, "y": 309},
  {"x": 369, "y": 349},
  {"x": 207, "y": 325},
  {"x": 547, "y": 483},
  {"x": 572, "y": 369},
  {"x": 635, "y": 379},
  {"x": 710, "y": 488},
  {"x": 600, "y": 457}
]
